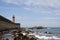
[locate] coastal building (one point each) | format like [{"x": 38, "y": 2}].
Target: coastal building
[{"x": 6, "y": 24}]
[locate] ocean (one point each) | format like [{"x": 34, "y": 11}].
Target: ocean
[
  {"x": 43, "y": 34},
  {"x": 55, "y": 30}
]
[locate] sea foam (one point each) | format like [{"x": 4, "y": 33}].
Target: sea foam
[{"x": 45, "y": 37}]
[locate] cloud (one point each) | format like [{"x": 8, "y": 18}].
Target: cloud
[
  {"x": 17, "y": 2},
  {"x": 39, "y": 6},
  {"x": 28, "y": 18},
  {"x": 47, "y": 10},
  {"x": 31, "y": 21},
  {"x": 35, "y": 2}
]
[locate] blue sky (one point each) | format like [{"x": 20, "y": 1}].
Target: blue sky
[{"x": 32, "y": 12}]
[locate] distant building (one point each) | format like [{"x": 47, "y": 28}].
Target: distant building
[{"x": 6, "y": 24}]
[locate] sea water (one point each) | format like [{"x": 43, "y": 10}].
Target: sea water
[{"x": 54, "y": 33}]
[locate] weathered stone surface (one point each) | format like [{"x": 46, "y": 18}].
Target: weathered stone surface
[{"x": 6, "y": 24}]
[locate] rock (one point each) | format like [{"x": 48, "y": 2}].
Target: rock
[
  {"x": 48, "y": 32},
  {"x": 32, "y": 38},
  {"x": 5, "y": 39},
  {"x": 25, "y": 37}
]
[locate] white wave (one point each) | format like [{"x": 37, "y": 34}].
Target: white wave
[
  {"x": 24, "y": 33},
  {"x": 45, "y": 37}
]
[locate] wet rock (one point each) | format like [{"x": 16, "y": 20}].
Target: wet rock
[
  {"x": 5, "y": 39},
  {"x": 32, "y": 38},
  {"x": 48, "y": 32},
  {"x": 17, "y": 38},
  {"x": 25, "y": 37}
]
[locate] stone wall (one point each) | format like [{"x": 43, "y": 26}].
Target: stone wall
[{"x": 6, "y": 25}]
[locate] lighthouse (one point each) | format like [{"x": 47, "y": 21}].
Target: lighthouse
[{"x": 13, "y": 18}]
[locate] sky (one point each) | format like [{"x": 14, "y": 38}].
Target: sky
[{"x": 32, "y": 12}]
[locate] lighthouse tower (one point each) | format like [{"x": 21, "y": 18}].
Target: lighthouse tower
[{"x": 13, "y": 18}]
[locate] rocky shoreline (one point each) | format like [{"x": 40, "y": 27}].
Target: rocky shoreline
[
  {"x": 21, "y": 35},
  {"x": 29, "y": 35}
]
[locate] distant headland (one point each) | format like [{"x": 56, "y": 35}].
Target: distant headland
[{"x": 38, "y": 27}]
